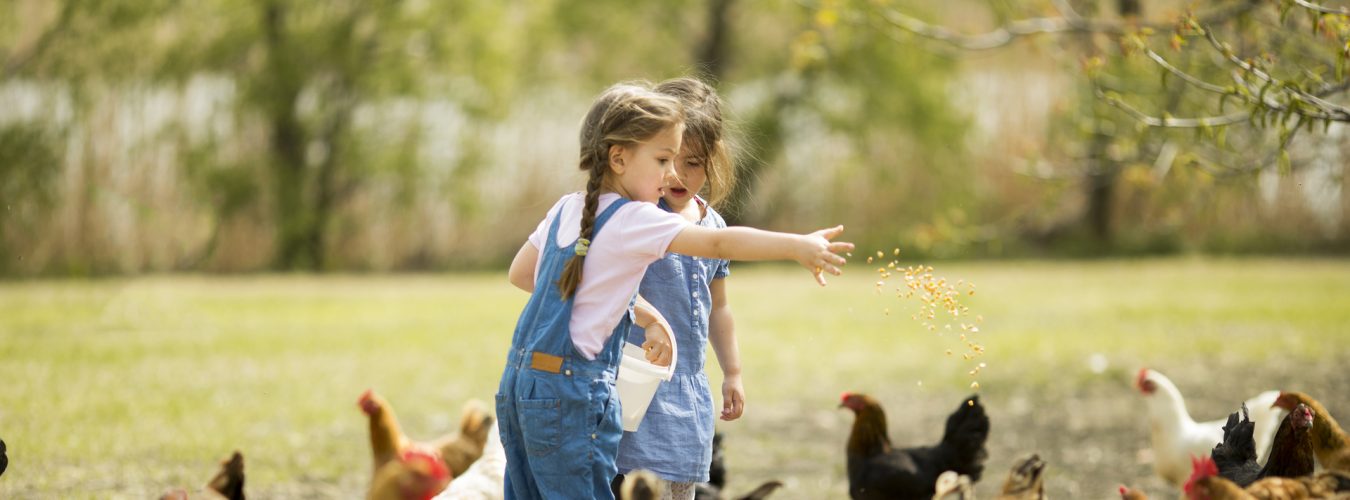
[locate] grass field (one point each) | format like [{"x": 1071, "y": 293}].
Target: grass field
[{"x": 126, "y": 388}]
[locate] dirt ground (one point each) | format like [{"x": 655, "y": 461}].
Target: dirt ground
[{"x": 1093, "y": 436}]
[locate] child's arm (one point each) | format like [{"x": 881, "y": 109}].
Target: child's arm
[
  {"x": 722, "y": 334},
  {"x": 657, "y": 340},
  {"x": 813, "y": 251},
  {"x": 522, "y": 267}
]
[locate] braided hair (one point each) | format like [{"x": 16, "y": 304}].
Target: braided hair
[{"x": 624, "y": 115}]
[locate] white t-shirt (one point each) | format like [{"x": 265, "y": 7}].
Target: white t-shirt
[{"x": 637, "y": 235}]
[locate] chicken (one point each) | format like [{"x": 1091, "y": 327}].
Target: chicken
[
  {"x": 485, "y": 478},
  {"x": 458, "y": 450},
  {"x": 717, "y": 478},
  {"x": 4, "y": 458},
  {"x": 1236, "y": 455},
  {"x": 1026, "y": 480},
  {"x": 953, "y": 486},
  {"x": 1292, "y": 453},
  {"x": 1330, "y": 443},
  {"x": 1205, "y": 483},
  {"x": 417, "y": 473},
  {"x": 877, "y": 470},
  {"x": 1128, "y": 493},
  {"x": 1176, "y": 437},
  {"x": 228, "y": 484},
  {"x": 717, "y": 472},
  {"x": 641, "y": 485}
]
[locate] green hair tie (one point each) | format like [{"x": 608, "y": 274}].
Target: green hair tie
[{"x": 582, "y": 246}]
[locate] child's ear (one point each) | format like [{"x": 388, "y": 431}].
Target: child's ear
[{"x": 618, "y": 155}]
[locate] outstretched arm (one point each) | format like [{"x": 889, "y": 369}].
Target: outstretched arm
[
  {"x": 813, "y": 251},
  {"x": 722, "y": 335}
]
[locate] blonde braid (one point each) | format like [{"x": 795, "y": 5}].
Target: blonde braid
[
  {"x": 623, "y": 116},
  {"x": 571, "y": 276}
]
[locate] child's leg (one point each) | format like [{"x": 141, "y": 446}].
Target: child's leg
[
  {"x": 518, "y": 482},
  {"x": 570, "y": 432},
  {"x": 679, "y": 491}
]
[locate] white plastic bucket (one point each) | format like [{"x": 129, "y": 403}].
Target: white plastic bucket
[{"x": 637, "y": 383}]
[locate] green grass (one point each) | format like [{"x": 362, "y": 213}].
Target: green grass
[{"x": 125, "y": 388}]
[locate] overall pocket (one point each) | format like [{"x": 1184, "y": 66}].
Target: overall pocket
[{"x": 540, "y": 424}]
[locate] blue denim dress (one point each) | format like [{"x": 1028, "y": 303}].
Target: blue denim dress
[
  {"x": 675, "y": 437},
  {"x": 558, "y": 412}
]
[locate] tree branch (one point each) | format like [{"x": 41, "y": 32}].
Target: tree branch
[
  {"x": 1069, "y": 22},
  {"x": 1169, "y": 122},
  {"x": 1326, "y": 110},
  {"x": 1325, "y": 10}
]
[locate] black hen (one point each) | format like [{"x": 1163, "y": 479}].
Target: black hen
[
  {"x": 717, "y": 474},
  {"x": 717, "y": 479},
  {"x": 1236, "y": 455},
  {"x": 878, "y": 471},
  {"x": 1291, "y": 453},
  {"x": 4, "y": 457}
]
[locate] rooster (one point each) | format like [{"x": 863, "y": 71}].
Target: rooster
[
  {"x": 228, "y": 484},
  {"x": 1205, "y": 483},
  {"x": 1176, "y": 437},
  {"x": 417, "y": 473},
  {"x": 458, "y": 450},
  {"x": 1330, "y": 443},
  {"x": 877, "y": 470}
]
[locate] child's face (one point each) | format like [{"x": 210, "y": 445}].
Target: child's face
[
  {"x": 690, "y": 175},
  {"x": 646, "y": 166}
]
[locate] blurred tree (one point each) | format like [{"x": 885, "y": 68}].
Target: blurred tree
[{"x": 1284, "y": 74}]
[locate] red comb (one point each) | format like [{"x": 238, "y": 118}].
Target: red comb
[
  {"x": 1123, "y": 490},
  {"x": 434, "y": 466},
  {"x": 1201, "y": 467}
]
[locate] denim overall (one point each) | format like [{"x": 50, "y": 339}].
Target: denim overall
[{"x": 558, "y": 412}]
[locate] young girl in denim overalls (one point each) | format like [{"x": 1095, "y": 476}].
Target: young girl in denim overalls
[
  {"x": 675, "y": 439},
  {"x": 557, "y": 408}
]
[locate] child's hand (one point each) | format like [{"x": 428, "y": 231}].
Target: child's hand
[
  {"x": 733, "y": 397},
  {"x": 657, "y": 343},
  {"x": 820, "y": 255}
]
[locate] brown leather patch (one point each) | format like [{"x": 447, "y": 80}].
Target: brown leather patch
[{"x": 546, "y": 362}]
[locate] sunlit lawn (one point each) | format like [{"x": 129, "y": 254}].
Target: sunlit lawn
[{"x": 126, "y": 388}]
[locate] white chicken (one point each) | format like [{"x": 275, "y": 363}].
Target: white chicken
[
  {"x": 485, "y": 479},
  {"x": 1177, "y": 437}
]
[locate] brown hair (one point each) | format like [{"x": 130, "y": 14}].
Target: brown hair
[
  {"x": 624, "y": 115},
  {"x": 703, "y": 129}
]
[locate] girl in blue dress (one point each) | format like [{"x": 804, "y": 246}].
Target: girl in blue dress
[{"x": 675, "y": 437}]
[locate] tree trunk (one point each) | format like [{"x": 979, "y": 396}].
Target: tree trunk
[
  {"x": 1102, "y": 171},
  {"x": 712, "y": 53},
  {"x": 282, "y": 86}
]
